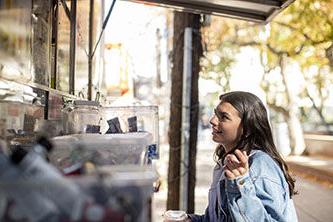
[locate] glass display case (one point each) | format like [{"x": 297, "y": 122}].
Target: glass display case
[
  {"x": 99, "y": 150},
  {"x": 33, "y": 194},
  {"x": 124, "y": 119},
  {"x": 63, "y": 46},
  {"x": 81, "y": 116},
  {"x": 19, "y": 121}
]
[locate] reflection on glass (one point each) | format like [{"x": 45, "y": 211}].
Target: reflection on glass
[
  {"x": 41, "y": 42},
  {"x": 81, "y": 60},
  {"x": 63, "y": 49},
  {"x": 20, "y": 109},
  {"x": 97, "y": 62},
  {"x": 15, "y": 39},
  {"x": 82, "y": 46}
]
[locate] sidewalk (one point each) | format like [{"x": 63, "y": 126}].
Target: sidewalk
[
  {"x": 318, "y": 168},
  {"x": 314, "y": 184}
]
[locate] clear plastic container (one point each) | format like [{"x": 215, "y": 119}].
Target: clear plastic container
[
  {"x": 133, "y": 119},
  {"x": 81, "y": 117},
  {"x": 115, "y": 149},
  {"x": 20, "y": 116},
  {"x": 113, "y": 194},
  {"x": 128, "y": 188},
  {"x": 175, "y": 216}
]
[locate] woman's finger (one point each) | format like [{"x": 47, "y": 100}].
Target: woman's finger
[
  {"x": 231, "y": 158},
  {"x": 242, "y": 170},
  {"x": 228, "y": 173},
  {"x": 230, "y": 164},
  {"x": 234, "y": 170},
  {"x": 242, "y": 157},
  {"x": 234, "y": 159}
]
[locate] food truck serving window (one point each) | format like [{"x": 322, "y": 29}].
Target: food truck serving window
[{"x": 252, "y": 10}]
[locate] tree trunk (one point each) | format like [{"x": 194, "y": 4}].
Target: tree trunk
[
  {"x": 294, "y": 125},
  {"x": 181, "y": 21},
  {"x": 197, "y": 54}
]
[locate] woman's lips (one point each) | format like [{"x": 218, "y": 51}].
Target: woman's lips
[{"x": 216, "y": 132}]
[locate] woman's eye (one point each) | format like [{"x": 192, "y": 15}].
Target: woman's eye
[{"x": 223, "y": 117}]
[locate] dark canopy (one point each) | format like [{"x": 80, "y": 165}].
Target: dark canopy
[{"x": 252, "y": 10}]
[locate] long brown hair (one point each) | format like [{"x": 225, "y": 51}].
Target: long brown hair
[{"x": 257, "y": 133}]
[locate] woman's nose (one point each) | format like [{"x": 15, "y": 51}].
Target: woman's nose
[{"x": 213, "y": 120}]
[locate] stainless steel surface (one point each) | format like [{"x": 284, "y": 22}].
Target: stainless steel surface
[
  {"x": 252, "y": 10},
  {"x": 186, "y": 114},
  {"x": 72, "y": 48},
  {"x": 90, "y": 46}
]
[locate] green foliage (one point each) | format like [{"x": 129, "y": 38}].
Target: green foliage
[{"x": 301, "y": 34}]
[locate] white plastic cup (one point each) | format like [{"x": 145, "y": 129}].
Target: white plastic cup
[{"x": 175, "y": 216}]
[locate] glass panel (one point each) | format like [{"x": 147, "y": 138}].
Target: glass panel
[
  {"x": 98, "y": 58},
  {"x": 82, "y": 33},
  {"x": 81, "y": 66},
  {"x": 63, "y": 49},
  {"x": 41, "y": 41},
  {"x": 20, "y": 111},
  {"x": 15, "y": 40}
]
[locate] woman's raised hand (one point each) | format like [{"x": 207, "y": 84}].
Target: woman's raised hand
[{"x": 236, "y": 164}]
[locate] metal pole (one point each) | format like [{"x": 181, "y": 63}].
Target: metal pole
[
  {"x": 158, "y": 59},
  {"x": 90, "y": 56},
  {"x": 186, "y": 112},
  {"x": 54, "y": 46},
  {"x": 72, "y": 47}
]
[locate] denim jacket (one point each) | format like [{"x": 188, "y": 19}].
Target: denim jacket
[{"x": 262, "y": 194}]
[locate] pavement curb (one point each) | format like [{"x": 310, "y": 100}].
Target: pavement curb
[{"x": 321, "y": 174}]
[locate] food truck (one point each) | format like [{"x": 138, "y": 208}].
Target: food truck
[{"x": 63, "y": 157}]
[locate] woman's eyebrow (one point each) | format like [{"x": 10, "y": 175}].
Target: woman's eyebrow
[{"x": 219, "y": 113}]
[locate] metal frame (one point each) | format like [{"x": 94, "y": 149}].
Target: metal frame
[
  {"x": 71, "y": 15},
  {"x": 90, "y": 48},
  {"x": 54, "y": 43},
  {"x": 72, "y": 47},
  {"x": 235, "y": 10}
]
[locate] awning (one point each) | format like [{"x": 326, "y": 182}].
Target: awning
[{"x": 252, "y": 10}]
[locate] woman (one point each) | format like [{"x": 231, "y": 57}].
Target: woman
[{"x": 251, "y": 181}]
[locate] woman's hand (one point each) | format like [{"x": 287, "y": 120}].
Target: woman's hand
[
  {"x": 236, "y": 164},
  {"x": 188, "y": 220}
]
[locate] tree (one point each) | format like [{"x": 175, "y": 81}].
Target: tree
[
  {"x": 181, "y": 21},
  {"x": 301, "y": 35}
]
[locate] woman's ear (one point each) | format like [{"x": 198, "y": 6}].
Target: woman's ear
[
  {"x": 240, "y": 135},
  {"x": 240, "y": 131}
]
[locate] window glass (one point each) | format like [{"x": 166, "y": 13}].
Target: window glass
[
  {"x": 41, "y": 42},
  {"x": 63, "y": 48},
  {"x": 15, "y": 40},
  {"x": 82, "y": 46}
]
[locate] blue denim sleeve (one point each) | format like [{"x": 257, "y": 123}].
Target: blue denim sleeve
[
  {"x": 247, "y": 201},
  {"x": 199, "y": 218}
]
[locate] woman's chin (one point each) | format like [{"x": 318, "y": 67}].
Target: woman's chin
[{"x": 216, "y": 138}]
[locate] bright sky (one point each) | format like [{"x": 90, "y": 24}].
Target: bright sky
[
  {"x": 247, "y": 72},
  {"x": 134, "y": 25}
]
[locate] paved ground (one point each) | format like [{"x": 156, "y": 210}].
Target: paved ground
[
  {"x": 319, "y": 167},
  {"x": 313, "y": 204}
]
